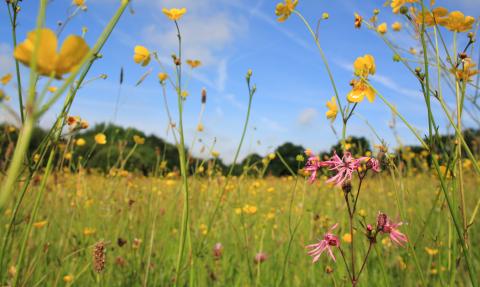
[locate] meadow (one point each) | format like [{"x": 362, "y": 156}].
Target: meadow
[{"x": 111, "y": 206}]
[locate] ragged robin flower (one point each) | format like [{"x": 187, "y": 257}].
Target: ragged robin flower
[
  {"x": 174, "y": 14},
  {"x": 332, "y": 109},
  {"x": 326, "y": 244},
  {"x": 284, "y": 10},
  {"x": 458, "y": 22},
  {"x": 48, "y": 61},
  {"x": 397, "y": 4},
  {"x": 141, "y": 55},
  {"x": 194, "y": 63},
  {"x": 363, "y": 66},
  {"x": 359, "y": 91}
]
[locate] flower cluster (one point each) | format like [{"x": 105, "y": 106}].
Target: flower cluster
[
  {"x": 343, "y": 167},
  {"x": 363, "y": 67}
]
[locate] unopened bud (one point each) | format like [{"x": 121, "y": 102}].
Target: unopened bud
[
  {"x": 204, "y": 96},
  {"x": 403, "y": 10},
  {"x": 471, "y": 37},
  {"x": 347, "y": 187},
  {"x": 249, "y": 74}
]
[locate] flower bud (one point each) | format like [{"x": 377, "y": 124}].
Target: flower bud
[
  {"x": 347, "y": 187},
  {"x": 204, "y": 96},
  {"x": 381, "y": 220}
]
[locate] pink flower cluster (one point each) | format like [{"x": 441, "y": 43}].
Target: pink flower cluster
[{"x": 344, "y": 167}]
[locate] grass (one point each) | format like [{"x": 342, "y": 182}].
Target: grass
[{"x": 127, "y": 207}]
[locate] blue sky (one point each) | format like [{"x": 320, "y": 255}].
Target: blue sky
[{"x": 230, "y": 37}]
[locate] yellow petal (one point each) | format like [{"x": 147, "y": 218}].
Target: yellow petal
[
  {"x": 370, "y": 93},
  {"x": 73, "y": 50},
  {"x": 46, "y": 50}
]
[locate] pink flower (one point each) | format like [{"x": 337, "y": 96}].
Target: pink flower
[
  {"x": 217, "y": 251},
  {"x": 344, "y": 167},
  {"x": 260, "y": 257},
  {"x": 313, "y": 164},
  {"x": 373, "y": 164},
  {"x": 326, "y": 243},
  {"x": 385, "y": 225}
]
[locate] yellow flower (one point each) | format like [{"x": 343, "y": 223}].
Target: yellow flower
[
  {"x": 397, "y": 26},
  {"x": 40, "y": 224},
  {"x": 162, "y": 77},
  {"x": 68, "y": 156},
  {"x": 79, "y": 3},
  {"x": 68, "y": 278},
  {"x": 249, "y": 209},
  {"x": 138, "y": 139},
  {"x": 184, "y": 94},
  {"x": 174, "y": 14},
  {"x": 465, "y": 71},
  {"x": 215, "y": 154},
  {"x": 72, "y": 52},
  {"x": 431, "y": 251},
  {"x": 200, "y": 127},
  {"x": 203, "y": 229},
  {"x": 87, "y": 231},
  {"x": 397, "y": 4},
  {"x": 382, "y": 28},
  {"x": 332, "y": 109},
  {"x": 80, "y": 142},
  {"x": 52, "y": 89},
  {"x": 358, "y": 20},
  {"x": 364, "y": 65},
  {"x": 347, "y": 238},
  {"x": 6, "y": 79},
  {"x": 194, "y": 63},
  {"x": 436, "y": 16},
  {"x": 141, "y": 55},
  {"x": 101, "y": 138},
  {"x": 458, "y": 22},
  {"x": 271, "y": 156},
  {"x": 359, "y": 91},
  {"x": 284, "y": 10}
]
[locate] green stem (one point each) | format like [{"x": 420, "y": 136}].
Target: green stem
[{"x": 324, "y": 59}]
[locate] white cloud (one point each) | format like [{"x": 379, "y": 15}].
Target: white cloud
[
  {"x": 307, "y": 116},
  {"x": 203, "y": 37},
  {"x": 272, "y": 125},
  {"x": 394, "y": 86}
]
